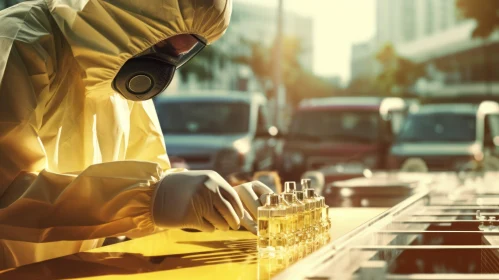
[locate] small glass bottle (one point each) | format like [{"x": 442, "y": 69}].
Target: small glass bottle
[
  {"x": 315, "y": 217},
  {"x": 305, "y": 184},
  {"x": 307, "y": 225},
  {"x": 305, "y": 187},
  {"x": 289, "y": 224},
  {"x": 289, "y": 187},
  {"x": 271, "y": 226},
  {"x": 325, "y": 221},
  {"x": 290, "y": 194},
  {"x": 297, "y": 220}
]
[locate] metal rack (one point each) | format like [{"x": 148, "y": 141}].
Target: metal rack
[{"x": 434, "y": 234}]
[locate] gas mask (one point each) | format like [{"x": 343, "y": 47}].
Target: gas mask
[{"x": 151, "y": 71}]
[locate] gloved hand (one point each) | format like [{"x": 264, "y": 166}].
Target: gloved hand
[
  {"x": 200, "y": 200},
  {"x": 253, "y": 195}
]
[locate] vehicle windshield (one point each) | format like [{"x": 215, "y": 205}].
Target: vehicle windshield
[
  {"x": 439, "y": 127},
  {"x": 203, "y": 117},
  {"x": 336, "y": 125}
]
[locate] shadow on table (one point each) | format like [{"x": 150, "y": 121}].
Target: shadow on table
[
  {"x": 248, "y": 245},
  {"x": 98, "y": 264}
]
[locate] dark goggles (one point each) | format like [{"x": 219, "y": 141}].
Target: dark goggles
[{"x": 176, "y": 50}]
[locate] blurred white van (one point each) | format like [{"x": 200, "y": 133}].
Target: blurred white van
[
  {"x": 448, "y": 136},
  {"x": 223, "y": 131}
]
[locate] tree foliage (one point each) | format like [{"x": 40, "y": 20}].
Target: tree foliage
[
  {"x": 362, "y": 86},
  {"x": 258, "y": 61},
  {"x": 398, "y": 74},
  {"x": 484, "y": 12},
  {"x": 299, "y": 82}
]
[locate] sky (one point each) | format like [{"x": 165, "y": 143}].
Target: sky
[{"x": 337, "y": 25}]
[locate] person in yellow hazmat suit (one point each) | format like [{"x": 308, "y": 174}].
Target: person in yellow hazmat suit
[{"x": 82, "y": 155}]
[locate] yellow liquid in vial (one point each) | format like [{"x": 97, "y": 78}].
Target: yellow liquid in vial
[
  {"x": 325, "y": 218},
  {"x": 268, "y": 267},
  {"x": 263, "y": 233},
  {"x": 300, "y": 236},
  {"x": 306, "y": 219},
  {"x": 313, "y": 215},
  {"x": 291, "y": 225},
  {"x": 307, "y": 226},
  {"x": 326, "y": 225},
  {"x": 317, "y": 222},
  {"x": 277, "y": 230},
  {"x": 300, "y": 220}
]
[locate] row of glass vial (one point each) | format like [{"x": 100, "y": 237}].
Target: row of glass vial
[{"x": 295, "y": 221}]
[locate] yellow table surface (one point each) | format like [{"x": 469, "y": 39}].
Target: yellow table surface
[{"x": 176, "y": 254}]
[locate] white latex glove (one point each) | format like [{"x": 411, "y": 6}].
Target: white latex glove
[
  {"x": 253, "y": 195},
  {"x": 200, "y": 200}
]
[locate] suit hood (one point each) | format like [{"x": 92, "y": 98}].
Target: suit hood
[{"x": 104, "y": 34}]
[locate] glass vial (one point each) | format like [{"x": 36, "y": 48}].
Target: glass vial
[
  {"x": 305, "y": 184},
  {"x": 271, "y": 226},
  {"x": 325, "y": 226},
  {"x": 297, "y": 222},
  {"x": 315, "y": 216},
  {"x": 307, "y": 233},
  {"x": 289, "y": 224},
  {"x": 289, "y": 187}
]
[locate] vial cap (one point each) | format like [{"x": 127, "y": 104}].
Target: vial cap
[
  {"x": 274, "y": 199},
  {"x": 289, "y": 186},
  {"x": 267, "y": 199},
  {"x": 322, "y": 201},
  {"x": 289, "y": 197},
  {"x": 305, "y": 183},
  {"x": 300, "y": 195},
  {"x": 310, "y": 193}
]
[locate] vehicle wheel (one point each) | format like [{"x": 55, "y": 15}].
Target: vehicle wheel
[{"x": 414, "y": 165}]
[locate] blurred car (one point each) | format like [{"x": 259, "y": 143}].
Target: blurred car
[
  {"x": 351, "y": 132},
  {"x": 369, "y": 192},
  {"x": 448, "y": 136},
  {"x": 225, "y": 132}
]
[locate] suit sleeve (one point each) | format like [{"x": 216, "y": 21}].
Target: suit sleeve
[{"x": 37, "y": 205}]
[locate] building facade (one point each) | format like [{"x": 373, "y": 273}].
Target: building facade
[
  {"x": 456, "y": 63},
  {"x": 362, "y": 61},
  {"x": 432, "y": 32},
  {"x": 400, "y": 21}
]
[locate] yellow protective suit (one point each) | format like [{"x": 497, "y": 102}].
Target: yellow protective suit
[{"x": 78, "y": 162}]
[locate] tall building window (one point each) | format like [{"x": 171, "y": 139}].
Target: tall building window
[
  {"x": 430, "y": 17},
  {"x": 409, "y": 19}
]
